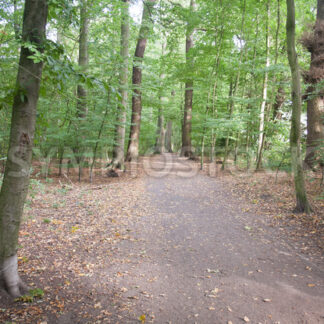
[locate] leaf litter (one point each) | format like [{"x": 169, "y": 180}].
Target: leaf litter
[{"x": 68, "y": 247}]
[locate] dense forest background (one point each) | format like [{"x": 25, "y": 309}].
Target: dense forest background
[{"x": 237, "y": 65}]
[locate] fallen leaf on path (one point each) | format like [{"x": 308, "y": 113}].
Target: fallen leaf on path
[
  {"x": 212, "y": 271},
  {"x": 215, "y": 291},
  {"x": 132, "y": 297}
]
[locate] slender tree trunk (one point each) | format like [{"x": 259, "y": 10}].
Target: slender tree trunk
[
  {"x": 250, "y": 91},
  {"x": 234, "y": 87},
  {"x": 279, "y": 101},
  {"x": 16, "y": 178},
  {"x": 133, "y": 144},
  {"x": 278, "y": 90},
  {"x": 160, "y": 131},
  {"x": 160, "y": 134},
  {"x": 83, "y": 63},
  {"x": 211, "y": 93},
  {"x": 315, "y": 102},
  {"x": 95, "y": 149},
  {"x": 83, "y": 57},
  {"x": 231, "y": 110},
  {"x": 203, "y": 137},
  {"x": 61, "y": 155},
  {"x": 213, "y": 132},
  {"x": 302, "y": 204},
  {"x": 119, "y": 146},
  {"x": 186, "y": 149},
  {"x": 168, "y": 137},
  {"x": 16, "y": 23},
  {"x": 265, "y": 93}
]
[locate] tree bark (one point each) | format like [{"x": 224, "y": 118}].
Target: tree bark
[
  {"x": 302, "y": 204},
  {"x": 82, "y": 109},
  {"x": 101, "y": 128},
  {"x": 186, "y": 149},
  {"x": 265, "y": 93},
  {"x": 279, "y": 101},
  {"x": 16, "y": 23},
  {"x": 168, "y": 137},
  {"x": 119, "y": 146},
  {"x": 315, "y": 102},
  {"x": 83, "y": 58},
  {"x": 160, "y": 131},
  {"x": 133, "y": 144},
  {"x": 16, "y": 178},
  {"x": 233, "y": 88}
]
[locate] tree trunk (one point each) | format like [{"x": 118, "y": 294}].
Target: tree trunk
[
  {"x": 119, "y": 145},
  {"x": 133, "y": 145},
  {"x": 231, "y": 110},
  {"x": 315, "y": 103},
  {"x": 95, "y": 149},
  {"x": 83, "y": 63},
  {"x": 234, "y": 87},
  {"x": 279, "y": 101},
  {"x": 160, "y": 131},
  {"x": 16, "y": 23},
  {"x": 16, "y": 178},
  {"x": 168, "y": 137},
  {"x": 302, "y": 204},
  {"x": 186, "y": 149},
  {"x": 265, "y": 93}
]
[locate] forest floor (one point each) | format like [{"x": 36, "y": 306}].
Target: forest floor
[{"x": 172, "y": 244}]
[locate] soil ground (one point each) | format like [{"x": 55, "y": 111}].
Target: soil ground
[{"x": 171, "y": 245}]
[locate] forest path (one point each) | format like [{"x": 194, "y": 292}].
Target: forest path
[{"x": 206, "y": 259}]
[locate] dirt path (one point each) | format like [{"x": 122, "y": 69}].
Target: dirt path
[
  {"x": 172, "y": 246},
  {"x": 203, "y": 259}
]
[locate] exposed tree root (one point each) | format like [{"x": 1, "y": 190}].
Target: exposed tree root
[{"x": 10, "y": 277}]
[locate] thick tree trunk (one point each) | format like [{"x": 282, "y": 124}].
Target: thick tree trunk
[
  {"x": 82, "y": 109},
  {"x": 264, "y": 94},
  {"x": 119, "y": 146},
  {"x": 302, "y": 204},
  {"x": 186, "y": 149},
  {"x": 16, "y": 178},
  {"x": 315, "y": 103},
  {"x": 133, "y": 144}
]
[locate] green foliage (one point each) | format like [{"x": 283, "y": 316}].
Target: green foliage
[
  {"x": 228, "y": 50},
  {"x": 31, "y": 296}
]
